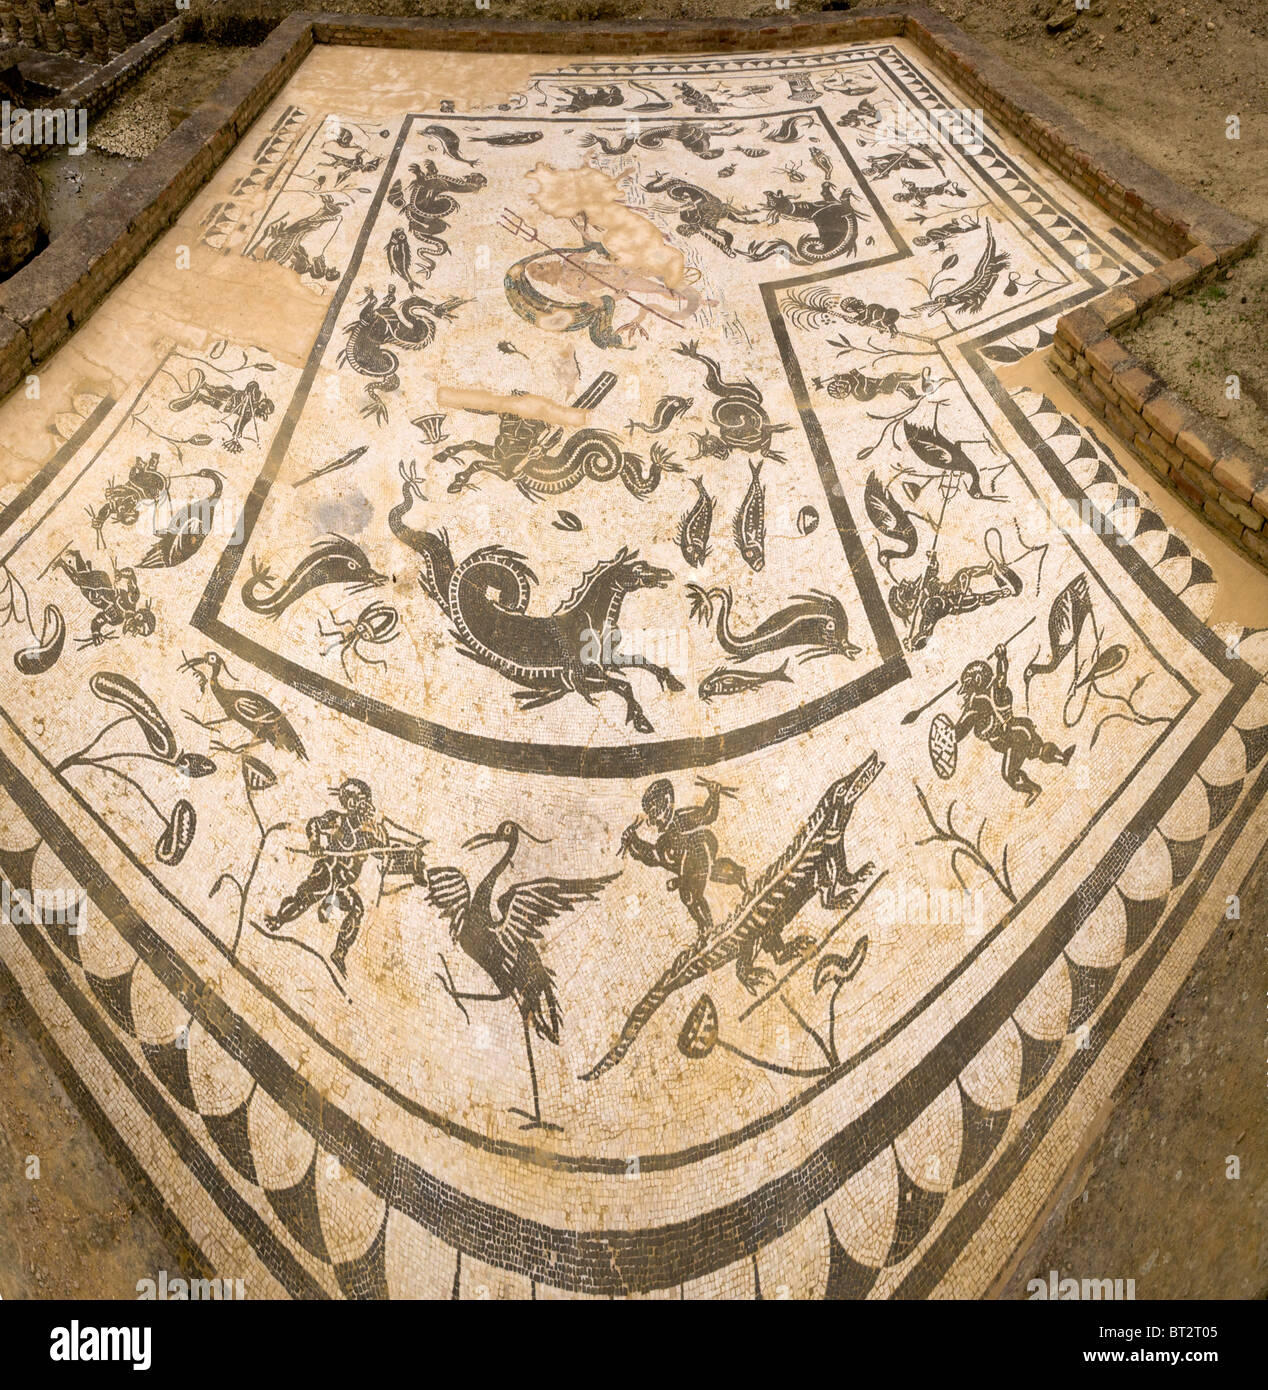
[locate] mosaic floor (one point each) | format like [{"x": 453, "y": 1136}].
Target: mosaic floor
[{"x": 613, "y": 744}]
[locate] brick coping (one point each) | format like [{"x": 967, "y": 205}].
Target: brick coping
[{"x": 1222, "y": 477}]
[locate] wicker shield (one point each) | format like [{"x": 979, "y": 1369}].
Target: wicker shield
[{"x": 943, "y": 746}]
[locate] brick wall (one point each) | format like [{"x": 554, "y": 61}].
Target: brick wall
[
  {"x": 98, "y": 91},
  {"x": 1212, "y": 470},
  {"x": 94, "y": 29}
]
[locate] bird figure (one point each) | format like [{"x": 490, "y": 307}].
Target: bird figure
[
  {"x": 261, "y": 718},
  {"x": 1070, "y": 610},
  {"x": 890, "y": 518},
  {"x": 505, "y": 946},
  {"x": 186, "y": 528}
]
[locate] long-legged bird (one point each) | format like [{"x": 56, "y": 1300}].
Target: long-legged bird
[{"x": 505, "y": 946}]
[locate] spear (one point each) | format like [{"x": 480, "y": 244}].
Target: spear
[
  {"x": 512, "y": 222},
  {"x": 912, "y": 715}
]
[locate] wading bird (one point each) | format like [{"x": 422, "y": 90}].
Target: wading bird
[
  {"x": 505, "y": 946},
  {"x": 261, "y": 718}
]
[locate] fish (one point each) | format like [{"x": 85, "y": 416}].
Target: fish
[
  {"x": 508, "y": 347},
  {"x": 750, "y": 521},
  {"x": 513, "y": 137},
  {"x": 333, "y": 561},
  {"x": 726, "y": 680},
  {"x": 398, "y": 258},
  {"x": 668, "y": 409},
  {"x": 727, "y": 172},
  {"x": 693, "y": 530},
  {"x": 752, "y": 151},
  {"x": 450, "y": 141}
]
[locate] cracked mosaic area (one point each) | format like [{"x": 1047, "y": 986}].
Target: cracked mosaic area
[{"x": 601, "y": 734}]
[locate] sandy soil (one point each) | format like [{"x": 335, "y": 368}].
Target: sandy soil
[{"x": 132, "y": 126}]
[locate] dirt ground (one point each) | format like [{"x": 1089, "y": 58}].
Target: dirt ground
[
  {"x": 133, "y": 126},
  {"x": 1162, "y": 80},
  {"x": 69, "y": 1226}
]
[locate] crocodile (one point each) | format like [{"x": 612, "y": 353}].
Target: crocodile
[{"x": 813, "y": 863}]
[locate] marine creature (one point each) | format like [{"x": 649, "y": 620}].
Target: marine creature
[
  {"x": 668, "y": 409},
  {"x": 700, "y": 212},
  {"x": 861, "y": 115},
  {"x": 814, "y": 862},
  {"x": 693, "y": 530},
  {"x": 741, "y": 421},
  {"x": 789, "y": 131},
  {"x": 696, "y": 99},
  {"x": 727, "y": 680},
  {"x": 380, "y": 323},
  {"x": 510, "y": 349},
  {"x": 836, "y": 225},
  {"x": 970, "y": 296},
  {"x": 696, "y": 136},
  {"x": 186, "y": 529},
  {"x": 512, "y": 137},
  {"x": 524, "y": 453},
  {"x": 399, "y": 256},
  {"x": 449, "y": 140},
  {"x": 426, "y": 203},
  {"x": 333, "y": 561},
  {"x": 377, "y": 624},
  {"x": 574, "y": 651},
  {"x": 585, "y": 98},
  {"x": 750, "y": 521},
  {"x": 816, "y": 621}
]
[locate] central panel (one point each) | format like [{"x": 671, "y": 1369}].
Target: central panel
[{"x": 566, "y": 551}]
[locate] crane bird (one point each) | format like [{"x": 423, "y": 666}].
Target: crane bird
[{"x": 505, "y": 946}]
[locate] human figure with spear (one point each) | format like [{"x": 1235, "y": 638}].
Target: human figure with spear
[
  {"x": 339, "y": 843},
  {"x": 986, "y": 712}
]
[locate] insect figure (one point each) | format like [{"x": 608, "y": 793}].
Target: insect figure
[{"x": 377, "y": 624}]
